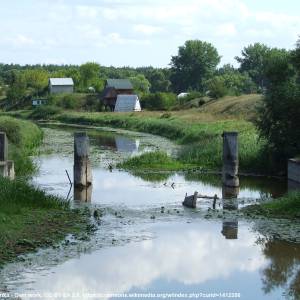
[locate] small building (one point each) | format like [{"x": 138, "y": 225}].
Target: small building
[
  {"x": 38, "y": 102},
  {"x": 127, "y": 103},
  {"x": 113, "y": 88},
  {"x": 61, "y": 85}
]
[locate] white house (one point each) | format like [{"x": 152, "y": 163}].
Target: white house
[
  {"x": 127, "y": 103},
  {"x": 61, "y": 85}
]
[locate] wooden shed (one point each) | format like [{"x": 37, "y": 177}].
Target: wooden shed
[{"x": 113, "y": 88}]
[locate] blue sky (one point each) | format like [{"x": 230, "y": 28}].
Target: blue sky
[{"x": 139, "y": 32}]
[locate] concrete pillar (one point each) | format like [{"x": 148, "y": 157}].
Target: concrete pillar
[
  {"x": 82, "y": 165},
  {"x": 230, "y": 159},
  {"x": 83, "y": 194},
  {"x": 3, "y": 146},
  {"x": 3, "y": 169},
  {"x": 10, "y": 165}
]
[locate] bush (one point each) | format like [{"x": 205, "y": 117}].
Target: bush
[
  {"x": 216, "y": 88},
  {"x": 190, "y": 96},
  {"x": 159, "y": 101},
  {"x": 44, "y": 112}
]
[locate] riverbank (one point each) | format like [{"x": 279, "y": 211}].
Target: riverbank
[
  {"x": 29, "y": 218},
  {"x": 24, "y": 137},
  {"x": 197, "y": 131},
  {"x": 200, "y": 136},
  {"x": 287, "y": 206}
]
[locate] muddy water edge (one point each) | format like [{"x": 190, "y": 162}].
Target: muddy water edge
[{"x": 146, "y": 241}]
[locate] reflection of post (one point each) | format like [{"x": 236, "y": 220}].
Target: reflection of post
[
  {"x": 230, "y": 202},
  {"x": 230, "y": 159},
  {"x": 83, "y": 194},
  {"x": 82, "y": 165}
]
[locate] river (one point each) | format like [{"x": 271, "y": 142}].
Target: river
[{"x": 147, "y": 242}]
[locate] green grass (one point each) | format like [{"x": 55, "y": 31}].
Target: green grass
[
  {"x": 151, "y": 161},
  {"x": 287, "y": 206},
  {"x": 29, "y": 219},
  {"x": 197, "y": 130},
  {"x": 23, "y": 137}
]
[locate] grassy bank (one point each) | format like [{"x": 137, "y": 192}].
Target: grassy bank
[
  {"x": 287, "y": 206},
  {"x": 30, "y": 219},
  {"x": 23, "y": 137},
  {"x": 198, "y": 130},
  {"x": 201, "y": 138}
]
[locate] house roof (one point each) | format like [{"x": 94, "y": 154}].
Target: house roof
[
  {"x": 119, "y": 84},
  {"x": 61, "y": 81}
]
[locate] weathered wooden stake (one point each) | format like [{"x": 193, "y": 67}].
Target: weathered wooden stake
[
  {"x": 3, "y": 146},
  {"x": 230, "y": 159},
  {"x": 82, "y": 165}
]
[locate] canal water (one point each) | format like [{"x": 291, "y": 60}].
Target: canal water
[{"x": 147, "y": 243}]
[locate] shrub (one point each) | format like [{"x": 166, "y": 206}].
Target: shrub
[
  {"x": 44, "y": 112},
  {"x": 216, "y": 88},
  {"x": 159, "y": 101}
]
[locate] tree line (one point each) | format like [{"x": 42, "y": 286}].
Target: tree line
[{"x": 194, "y": 68}]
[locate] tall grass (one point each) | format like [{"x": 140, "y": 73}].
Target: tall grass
[{"x": 23, "y": 137}]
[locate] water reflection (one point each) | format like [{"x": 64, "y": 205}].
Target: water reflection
[
  {"x": 283, "y": 269},
  {"x": 115, "y": 142},
  {"x": 230, "y": 202},
  {"x": 183, "y": 257}
]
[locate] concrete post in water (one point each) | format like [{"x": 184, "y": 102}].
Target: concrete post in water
[
  {"x": 10, "y": 166},
  {"x": 230, "y": 159},
  {"x": 82, "y": 165},
  {"x": 83, "y": 194},
  {"x": 3, "y": 146}
]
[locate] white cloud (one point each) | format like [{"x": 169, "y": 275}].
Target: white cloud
[
  {"x": 165, "y": 25},
  {"x": 147, "y": 29},
  {"x": 226, "y": 30}
]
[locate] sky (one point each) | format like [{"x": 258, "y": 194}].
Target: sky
[{"x": 139, "y": 32}]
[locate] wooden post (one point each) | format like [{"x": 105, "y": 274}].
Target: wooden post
[
  {"x": 3, "y": 146},
  {"x": 82, "y": 165},
  {"x": 230, "y": 159}
]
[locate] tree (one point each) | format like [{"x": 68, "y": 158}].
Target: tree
[
  {"x": 252, "y": 61},
  {"x": 140, "y": 83},
  {"x": 216, "y": 87},
  {"x": 37, "y": 79},
  {"x": 89, "y": 72},
  {"x": 17, "y": 89},
  {"x": 195, "y": 63},
  {"x": 279, "y": 121}
]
